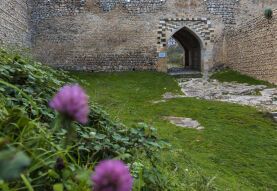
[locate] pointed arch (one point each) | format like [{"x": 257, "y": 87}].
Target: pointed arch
[
  {"x": 192, "y": 45},
  {"x": 193, "y": 32},
  {"x": 199, "y": 28}
]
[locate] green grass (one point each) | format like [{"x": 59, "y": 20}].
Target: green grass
[
  {"x": 175, "y": 57},
  {"x": 234, "y": 76},
  {"x": 236, "y": 151}
]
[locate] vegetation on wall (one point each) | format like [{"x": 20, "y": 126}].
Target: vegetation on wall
[{"x": 268, "y": 13}]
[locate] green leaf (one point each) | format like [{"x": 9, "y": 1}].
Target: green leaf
[
  {"x": 166, "y": 142},
  {"x": 53, "y": 174},
  {"x": 100, "y": 136},
  {"x": 12, "y": 163},
  {"x": 27, "y": 183},
  {"x": 66, "y": 173},
  {"x": 58, "y": 187},
  {"x": 123, "y": 156},
  {"x": 117, "y": 137}
]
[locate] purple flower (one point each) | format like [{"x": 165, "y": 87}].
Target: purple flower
[
  {"x": 112, "y": 175},
  {"x": 72, "y": 101}
]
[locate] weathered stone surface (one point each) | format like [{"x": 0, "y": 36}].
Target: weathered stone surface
[
  {"x": 133, "y": 6},
  {"x": 251, "y": 48},
  {"x": 254, "y": 95},
  {"x": 120, "y": 35},
  {"x": 14, "y": 22},
  {"x": 184, "y": 122},
  {"x": 106, "y": 35},
  {"x": 223, "y": 8},
  {"x": 258, "y": 96}
]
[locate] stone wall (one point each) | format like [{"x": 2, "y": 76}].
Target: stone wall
[
  {"x": 119, "y": 35},
  {"x": 224, "y": 8},
  {"x": 250, "y": 48},
  {"x": 109, "y": 35},
  {"x": 14, "y": 22},
  {"x": 242, "y": 11},
  {"x": 133, "y": 6}
]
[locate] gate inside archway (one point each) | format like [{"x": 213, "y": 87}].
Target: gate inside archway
[{"x": 194, "y": 35}]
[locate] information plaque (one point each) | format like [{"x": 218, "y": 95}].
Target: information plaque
[{"x": 161, "y": 54}]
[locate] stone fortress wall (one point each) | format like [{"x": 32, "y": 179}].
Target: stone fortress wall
[
  {"x": 251, "y": 48},
  {"x": 120, "y": 35},
  {"x": 105, "y": 35},
  {"x": 14, "y": 22}
]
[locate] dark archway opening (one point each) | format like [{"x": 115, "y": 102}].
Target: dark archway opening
[{"x": 191, "y": 49}]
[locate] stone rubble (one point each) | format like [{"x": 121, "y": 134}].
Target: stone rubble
[
  {"x": 258, "y": 96},
  {"x": 253, "y": 95},
  {"x": 184, "y": 122}
]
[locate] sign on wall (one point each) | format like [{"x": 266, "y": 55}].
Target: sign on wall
[{"x": 161, "y": 54}]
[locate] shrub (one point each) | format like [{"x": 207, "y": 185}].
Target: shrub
[
  {"x": 268, "y": 13},
  {"x": 33, "y": 128}
]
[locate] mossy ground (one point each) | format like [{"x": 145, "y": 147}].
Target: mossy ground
[{"x": 236, "y": 151}]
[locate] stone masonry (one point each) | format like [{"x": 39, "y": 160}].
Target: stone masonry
[
  {"x": 14, "y": 22},
  {"x": 134, "y": 6},
  {"x": 108, "y": 35},
  {"x": 251, "y": 48},
  {"x": 120, "y": 35}
]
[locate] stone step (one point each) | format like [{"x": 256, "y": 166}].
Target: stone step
[{"x": 184, "y": 73}]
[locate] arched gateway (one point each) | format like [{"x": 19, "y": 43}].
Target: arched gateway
[
  {"x": 194, "y": 35},
  {"x": 192, "y": 47}
]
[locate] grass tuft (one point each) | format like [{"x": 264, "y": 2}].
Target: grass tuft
[{"x": 234, "y": 76}]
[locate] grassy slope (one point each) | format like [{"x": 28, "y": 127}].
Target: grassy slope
[{"x": 238, "y": 146}]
